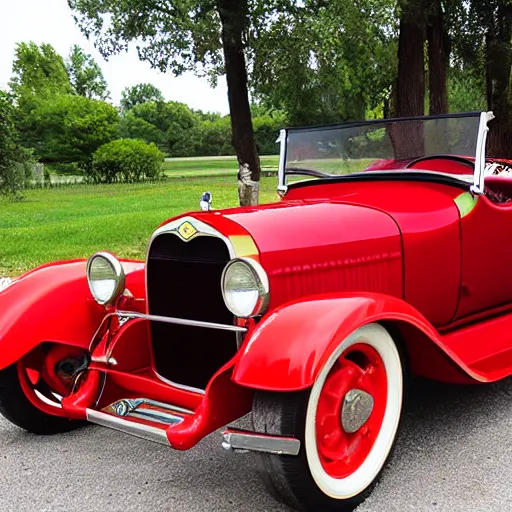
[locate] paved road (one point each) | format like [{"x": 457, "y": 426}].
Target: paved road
[{"x": 454, "y": 455}]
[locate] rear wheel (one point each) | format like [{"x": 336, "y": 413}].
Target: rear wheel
[
  {"x": 347, "y": 424},
  {"x": 31, "y": 389}
]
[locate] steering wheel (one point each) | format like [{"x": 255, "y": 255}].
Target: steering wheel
[{"x": 441, "y": 156}]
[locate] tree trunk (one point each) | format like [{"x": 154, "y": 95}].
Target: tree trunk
[
  {"x": 410, "y": 91},
  {"x": 438, "y": 55},
  {"x": 410, "y": 100},
  {"x": 233, "y": 15},
  {"x": 499, "y": 66}
]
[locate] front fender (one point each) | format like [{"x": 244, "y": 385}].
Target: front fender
[
  {"x": 287, "y": 350},
  {"x": 53, "y": 303}
]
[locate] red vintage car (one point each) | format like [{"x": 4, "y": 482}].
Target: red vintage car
[{"x": 312, "y": 313}]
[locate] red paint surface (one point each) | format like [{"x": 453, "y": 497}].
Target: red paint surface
[
  {"x": 486, "y": 251},
  {"x": 310, "y": 330},
  {"x": 428, "y": 220},
  {"x": 53, "y": 303},
  {"x": 323, "y": 247}
]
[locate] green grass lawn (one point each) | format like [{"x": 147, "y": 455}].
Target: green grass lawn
[
  {"x": 76, "y": 221},
  {"x": 213, "y": 165}
]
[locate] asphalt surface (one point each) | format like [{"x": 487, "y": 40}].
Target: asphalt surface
[{"x": 454, "y": 454}]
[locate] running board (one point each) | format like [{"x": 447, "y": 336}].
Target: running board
[
  {"x": 140, "y": 417},
  {"x": 248, "y": 441},
  {"x": 147, "y": 432}
]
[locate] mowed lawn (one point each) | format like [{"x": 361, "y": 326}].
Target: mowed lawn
[
  {"x": 75, "y": 221},
  {"x": 213, "y": 165}
]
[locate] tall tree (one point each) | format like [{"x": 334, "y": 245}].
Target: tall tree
[
  {"x": 484, "y": 48},
  {"x": 85, "y": 75},
  {"x": 410, "y": 88},
  {"x": 498, "y": 75},
  {"x": 208, "y": 36},
  {"x": 38, "y": 70},
  {"x": 139, "y": 94},
  {"x": 438, "y": 58}
]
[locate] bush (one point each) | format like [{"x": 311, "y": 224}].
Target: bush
[{"x": 126, "y": 160}]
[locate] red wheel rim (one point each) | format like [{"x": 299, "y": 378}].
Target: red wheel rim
[
  {"x": 360, "y": 367},
  {"x": 39, "y": 382}
]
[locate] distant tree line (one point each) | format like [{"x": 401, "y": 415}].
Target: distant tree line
[
  {"x": 181, "y": 131},
  {"x": 61, "y": 115}
]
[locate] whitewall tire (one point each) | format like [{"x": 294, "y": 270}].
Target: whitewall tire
[{"x": 347, "y": 424}]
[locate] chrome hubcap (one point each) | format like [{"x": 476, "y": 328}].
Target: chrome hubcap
[{"x": 357, "y": 408}]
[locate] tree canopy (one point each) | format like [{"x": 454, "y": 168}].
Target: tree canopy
[
  {"x": 139, "y": 94},
  {"x": 66, "y": 128},
  {"x": 85, "y": 75},
  {"x": 38, "y": 70}
]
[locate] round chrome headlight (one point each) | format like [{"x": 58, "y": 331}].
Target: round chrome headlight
[
  {"x": 245, "y": 287},
  {"x": 106, "y": 277}
]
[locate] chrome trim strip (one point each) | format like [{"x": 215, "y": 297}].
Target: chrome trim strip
[
  {"x": 202, "y": 228},
  {"x": 154, "y": 434},
  {"x": 184, "y": 387},
  {"x": 125, "y": 406},
  {"x": 96, "y": 337},
  {"x": 478, "y": 186},
  {"x": 180, "y": 321},
  {"x": 281, "y": 183},
  {"x": 156, "y": 416},
  {"x": 175, "y": 408},
  {"x": 244, "y": 440}
]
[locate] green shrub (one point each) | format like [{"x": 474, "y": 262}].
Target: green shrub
[{"x": 126, "y": 160}]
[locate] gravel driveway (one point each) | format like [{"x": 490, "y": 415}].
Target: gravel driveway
[{"x": 454, "y": 455}]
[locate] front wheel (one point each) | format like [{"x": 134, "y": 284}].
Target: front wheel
[
  {"x": 32, "y": 388},
  {"x": 347, "y": 424}
]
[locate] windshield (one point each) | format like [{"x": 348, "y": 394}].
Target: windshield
[{"x": 382, "y": 145}]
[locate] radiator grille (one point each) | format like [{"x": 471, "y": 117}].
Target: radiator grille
[{"x": 184, "y": 281}]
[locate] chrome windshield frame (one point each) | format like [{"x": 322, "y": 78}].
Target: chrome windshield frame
[
  {"x": 283, "y": 140},
  {"x": 476, "y": 188}
]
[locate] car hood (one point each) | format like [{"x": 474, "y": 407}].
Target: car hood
[{"x": 311, "y": 247}]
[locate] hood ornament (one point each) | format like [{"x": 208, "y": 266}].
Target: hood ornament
[{"x": 206, "y": 202}]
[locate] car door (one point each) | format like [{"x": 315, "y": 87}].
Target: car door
[{"x": 486, "y": 241}]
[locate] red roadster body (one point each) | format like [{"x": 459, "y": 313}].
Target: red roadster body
[{"x": 310, "y": 312}]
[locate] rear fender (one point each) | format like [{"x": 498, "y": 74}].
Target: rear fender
[
  {"x": 53, "y": 303},
  {"x": 286, "y": 351}
]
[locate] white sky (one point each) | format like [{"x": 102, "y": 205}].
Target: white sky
[{"x": 50, "y": 21}]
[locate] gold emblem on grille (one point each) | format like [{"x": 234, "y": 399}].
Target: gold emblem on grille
[{"x": 186, "y": 230}]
